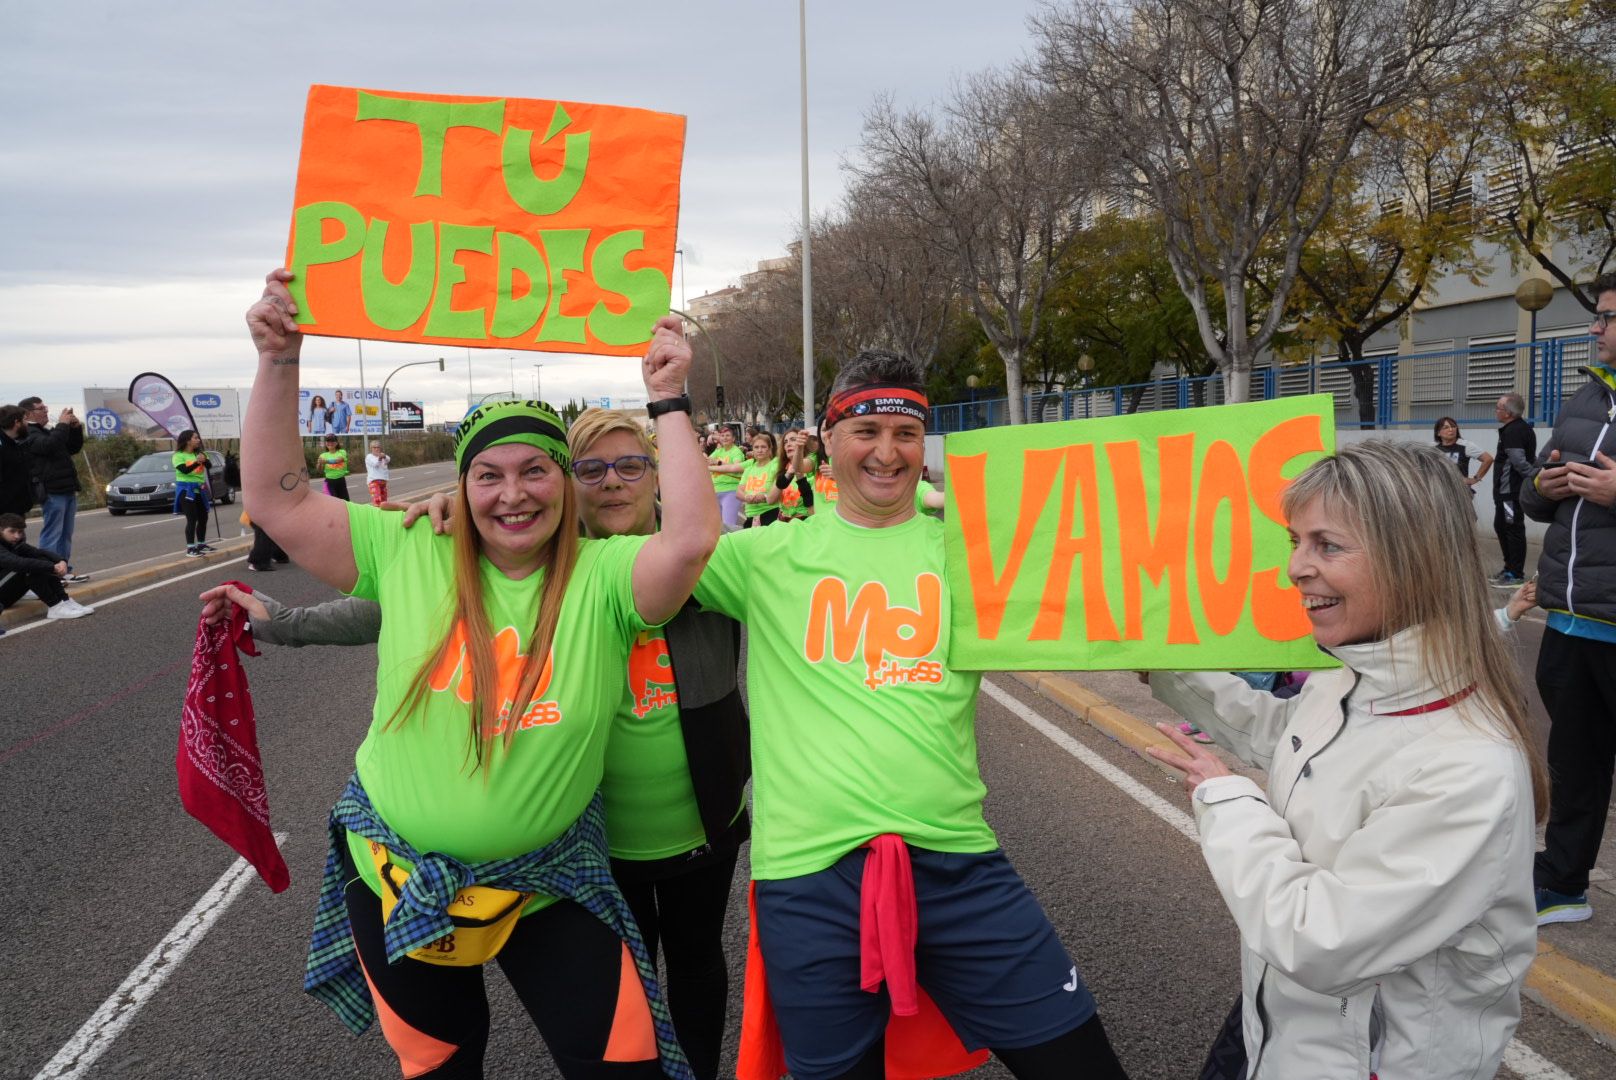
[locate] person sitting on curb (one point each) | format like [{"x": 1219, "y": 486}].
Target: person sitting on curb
[{"x": 24, "y": 567}]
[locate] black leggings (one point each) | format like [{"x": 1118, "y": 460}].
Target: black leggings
[
  {"x": 564, "y": 964},
  {"x": 1084, "y": 1053},
  {"x": 686, "y": 914},
  {"x": 196, "y": 520},
  {"x": 768, "y": 517}
]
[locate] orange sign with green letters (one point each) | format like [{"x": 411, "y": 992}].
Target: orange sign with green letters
[
  {"x": 497, "y": 222},
  {"x": 1148, "y": 541}
]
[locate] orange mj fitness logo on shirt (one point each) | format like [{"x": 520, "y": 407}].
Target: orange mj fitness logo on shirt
[
  {"x": 650, "y": 675},
  {"x": 453, "y": 670},
  {"x": 886, "y": 634}
]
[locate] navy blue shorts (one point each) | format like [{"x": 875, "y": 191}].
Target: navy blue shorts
[{"x": 986, "y": 954}]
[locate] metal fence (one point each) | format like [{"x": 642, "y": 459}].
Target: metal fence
[{"x": 1391, "y": 391}]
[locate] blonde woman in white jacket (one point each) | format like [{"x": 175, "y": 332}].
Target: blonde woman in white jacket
[{"x": 1382, "y": 884}]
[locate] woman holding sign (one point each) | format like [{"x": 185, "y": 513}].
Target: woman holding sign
[
  {"x": 1383, "y": 881},
  {"x": 500, "y": 666}
]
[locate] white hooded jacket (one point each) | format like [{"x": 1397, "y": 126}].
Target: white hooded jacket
[{"x": 1383, "y": 883}]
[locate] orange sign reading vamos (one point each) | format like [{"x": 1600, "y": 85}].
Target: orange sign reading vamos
[{"x": 495, "y": 222}]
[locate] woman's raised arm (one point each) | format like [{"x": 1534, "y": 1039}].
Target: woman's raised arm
[
  {"x": 670, "y": 562},
  {"x": 311, "y": 527}
]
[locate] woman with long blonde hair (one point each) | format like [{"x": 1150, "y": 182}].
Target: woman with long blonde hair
[
  {"x": 501, "y": 663},
  {"x": 1382, "y": 883}
]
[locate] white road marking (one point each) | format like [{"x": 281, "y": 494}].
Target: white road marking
[
  {"x": 1528, "y": 1064},
  {"x": 1136, "y": 791},
  {"x": 167, "y": 519},
  {"x": 107, "y": 1023},
  {"x": 37, "y": 623},
  {"x": 1519, "y": 1058}
]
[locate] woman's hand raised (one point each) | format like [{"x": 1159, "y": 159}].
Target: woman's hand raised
[{"x": 271, "y": 320}]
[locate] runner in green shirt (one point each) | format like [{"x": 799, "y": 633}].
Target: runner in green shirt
[
  {"x": 676, "y": 761},
  {"x": 726, "y": 463},
  {"x": 849, "y": 614},
  {"x": 757, "y": 482},
  {"x": 191, "y": 491},
  {"x": 794, "y": 481},
  {"x": 334, "y": 467},
  {"x": 498, "y": 675}
]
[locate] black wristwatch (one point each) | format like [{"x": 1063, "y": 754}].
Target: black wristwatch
[{"x": 667, "y": 405}]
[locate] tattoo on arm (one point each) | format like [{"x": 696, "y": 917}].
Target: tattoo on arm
[
  {"x": 290, "y": 481},
  {"x": 284, "y": 361}
]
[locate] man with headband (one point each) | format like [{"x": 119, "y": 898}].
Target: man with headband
[{"x": 873, "y": 793}]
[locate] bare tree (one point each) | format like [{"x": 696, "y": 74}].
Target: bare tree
[
  {"x": 1551, "y": 98},
  {"x": 991, "y": 186},
  {"x": 877, "y": 283},
  {"x": 1235, "y": 118}
]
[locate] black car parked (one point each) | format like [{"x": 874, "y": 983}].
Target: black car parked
[{"x": 148, "y": 484}]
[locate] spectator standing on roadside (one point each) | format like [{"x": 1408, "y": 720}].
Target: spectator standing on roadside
[
  {"x": 16, "y": 474},
  {"x": 341, "y": 413},
  {"x": 334, "y": 466},
  {"x": 191, "y": 495},
  {"x": 1517, "y": 446},
  {"x": 1574, "y": 490},
  {"x": 377, "y": 473},
  {"x": 56, "y": 479}
]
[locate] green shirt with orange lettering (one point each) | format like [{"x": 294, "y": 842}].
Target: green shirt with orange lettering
[
  {"x": 418, "y": 767},
  {"x": 859, "y": 728}
]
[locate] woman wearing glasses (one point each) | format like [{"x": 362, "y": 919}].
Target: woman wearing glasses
[{"x": 678, "y": 758}]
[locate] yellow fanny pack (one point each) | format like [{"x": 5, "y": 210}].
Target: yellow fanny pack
[{"x": 483, "y": 917}]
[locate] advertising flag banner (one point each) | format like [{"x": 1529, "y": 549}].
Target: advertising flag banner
[
  {"x": 1153, "y": 541},
  {"x": 504, "y": 223},
  {"x": 162, "y": 401}
]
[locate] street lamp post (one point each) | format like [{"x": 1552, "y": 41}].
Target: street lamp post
[
  {"x": 538, "y": 382},
  {"x": 1533, "y": 295},
  {"x": 387, "y": 416},
  {"x": 718, "y": 356}
]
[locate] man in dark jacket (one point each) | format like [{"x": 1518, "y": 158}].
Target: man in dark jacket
[
  {"x": 1517, "y": 447},
  {"x": 1574, "y": 490},
  {"x": 55, "y": 476},
  {"x": 16, "y": 474},
  {"x": 25, "y": 568}
]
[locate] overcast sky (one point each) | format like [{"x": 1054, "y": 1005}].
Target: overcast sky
[{"x": 148, "y": 152}]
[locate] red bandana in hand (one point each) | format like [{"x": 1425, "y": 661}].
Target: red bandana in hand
[{"x": 220, "y": 774}]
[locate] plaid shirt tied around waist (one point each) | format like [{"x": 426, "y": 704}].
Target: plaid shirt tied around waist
[{"x": 574, "y": 866}]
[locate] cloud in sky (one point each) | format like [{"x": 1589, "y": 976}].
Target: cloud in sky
[{"x": 149, "y": 152}]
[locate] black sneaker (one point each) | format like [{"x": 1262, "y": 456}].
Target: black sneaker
[
  {"x": 260, "y": 569},
  {"x": 193, "y": 552},
  {"x": 76, "y": 579},
  {"x": 205, "y": 547}
]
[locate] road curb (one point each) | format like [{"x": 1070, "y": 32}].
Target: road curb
[
  {"x": 1582, "y": 996},
  {"x": 1099, "y": 712},
  {"x": 101, "y": 588}
]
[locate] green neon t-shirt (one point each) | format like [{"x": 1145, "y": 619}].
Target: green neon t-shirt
[
  {"x": 791, "y": 505},
  {"x": 858, "y": 726},
  {"x": 651, "y": 810},
  {"x": 185, "y": 457},
  {"x": 418, "y": 770},
  {"x": 335, "y": 464},
  {"x": 729, "y": 455},
  {"x": 922, "y": 489},
  {"x": 757, "y": 480}
]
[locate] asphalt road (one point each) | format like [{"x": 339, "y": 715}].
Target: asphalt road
[
  {"x": 104, "y": 544},
  {"x": 100, "y": 863}
]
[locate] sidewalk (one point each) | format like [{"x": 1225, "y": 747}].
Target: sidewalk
[
  {"x": 120, "y": 579},
  {"x": 1573, "y": 975}
]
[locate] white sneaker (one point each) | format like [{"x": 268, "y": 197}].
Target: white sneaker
[{"x": 68, "y": 609}]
